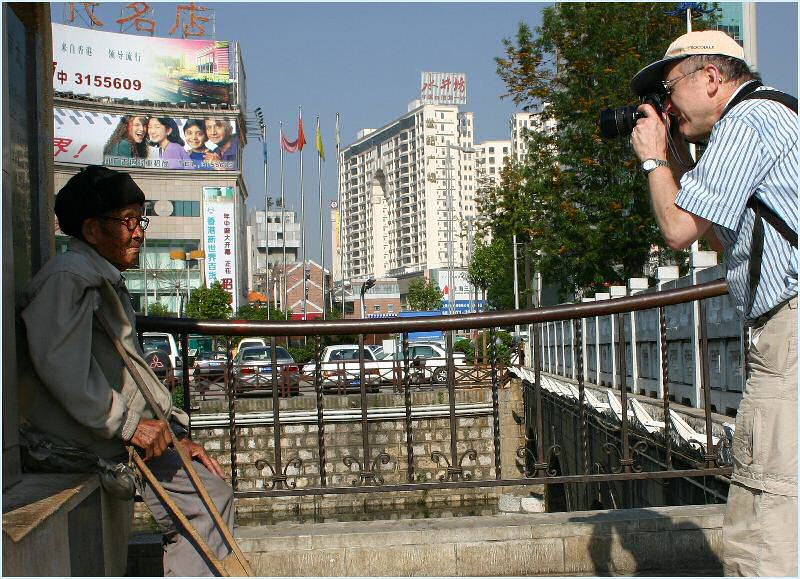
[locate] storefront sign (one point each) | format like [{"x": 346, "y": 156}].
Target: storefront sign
[{"x": 219, "y": 238}]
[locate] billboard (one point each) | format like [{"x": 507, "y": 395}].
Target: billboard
[
  {"x": 220, "y": 239},
  {"x": 94, "y": 138},
  {"x": 141, "y": 68},
  {"x": 443, "y": 88}
]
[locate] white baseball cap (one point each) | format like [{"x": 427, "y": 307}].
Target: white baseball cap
[{"x": 715, "y": 42}]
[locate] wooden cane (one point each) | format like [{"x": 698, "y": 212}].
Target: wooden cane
[{"x": 185, "y": 458}]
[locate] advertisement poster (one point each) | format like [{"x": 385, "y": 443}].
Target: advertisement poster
[
  {"x": 141, "y": 68},
  {"x": 443, "y": 88},
  {"x": 94, "y": 138},
  {"x": 219, "y": 238}
]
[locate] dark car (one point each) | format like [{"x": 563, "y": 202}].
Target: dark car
[
  {"x": 208, "y": 371},
  {"x": 253, "y": 371}
]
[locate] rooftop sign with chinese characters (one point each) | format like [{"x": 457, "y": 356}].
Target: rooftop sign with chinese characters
[
  {"x": 141, "y": 68},
  {"x": 443, "y": 88}
]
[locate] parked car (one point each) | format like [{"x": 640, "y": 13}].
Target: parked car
[
  {"x": 152, "y": 341},
  {"x": 340, "y": 368},
  {"x": 247, "y": 342},
  {"x": 209, "y": 369},
  {"x": 253, "y": 371},
  {"x": 432, "y": 358}
]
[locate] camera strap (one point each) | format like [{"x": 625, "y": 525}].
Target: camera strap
[{"x": 761, "y": 210}]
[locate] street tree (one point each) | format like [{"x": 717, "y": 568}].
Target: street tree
[
  {"x": 579, "y": 202},
  {"x": 210, "y": 303},
  {"x": 491, "y": 270},
  {"x": 258, "y": 312},
  {"x": 424, "y": 295},
  {"x": 160, "y": 310}
]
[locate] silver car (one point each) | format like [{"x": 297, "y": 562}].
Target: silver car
[{"x": 253, "y": 371}]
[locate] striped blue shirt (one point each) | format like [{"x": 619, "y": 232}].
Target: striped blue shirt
[{"x": 752, "y": 149}]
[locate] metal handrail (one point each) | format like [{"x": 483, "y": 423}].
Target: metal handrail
[{"x": 414, "y": 324}]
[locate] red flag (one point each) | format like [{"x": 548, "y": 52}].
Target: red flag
[{"x": 297, "y": 144}]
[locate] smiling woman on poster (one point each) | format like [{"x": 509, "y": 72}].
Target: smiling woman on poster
[
  {"x": 128, "y": 139},
  {"x": 163, "y": 132}
]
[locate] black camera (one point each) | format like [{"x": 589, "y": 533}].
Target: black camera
[{"x": 618, "y": 122}]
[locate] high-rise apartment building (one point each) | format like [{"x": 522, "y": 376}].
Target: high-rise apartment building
[
  {"x": 526, "y": 121},
  {"x": 396, "y": 184},
  {"x": 490, "y": 158}
]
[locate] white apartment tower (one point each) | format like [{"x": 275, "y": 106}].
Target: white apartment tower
[
  {"x": 395, "y": 184},
  {"x": 522, "y": 122},
  {"x": 490, "y": 158}
]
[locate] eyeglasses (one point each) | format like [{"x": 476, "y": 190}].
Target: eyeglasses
[
  {"x": 130, "y": 222},
  {"x": 668, "y": 84}
]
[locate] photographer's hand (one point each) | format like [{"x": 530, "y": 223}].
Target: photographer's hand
[{"x": 649, "y": 136}]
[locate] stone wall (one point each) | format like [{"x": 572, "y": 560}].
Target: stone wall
[{"x": 388, "y": 456}]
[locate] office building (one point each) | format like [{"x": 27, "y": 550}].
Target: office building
[{"x": 266, "y": 241}]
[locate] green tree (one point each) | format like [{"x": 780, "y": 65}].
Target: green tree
[
  {"x": 160, "y": 310},
  {"x": 424, "y": 295},
  {"x": 210, "y": 303},
  {"x": 491, "y": 270},
  {"x": 258, "y": 312},
  {"x": 580, "y": 203}
]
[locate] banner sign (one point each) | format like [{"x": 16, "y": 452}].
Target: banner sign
[
  {"x": 460, "y": 293},
  {"x": 93, "y": 138},
  {"x": 141, "y": 68},
  {"x": 443, "y": 88},
  {"x": 219, "y": 239}
]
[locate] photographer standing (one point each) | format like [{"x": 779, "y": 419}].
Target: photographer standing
[{"x": 711, "y": 95}]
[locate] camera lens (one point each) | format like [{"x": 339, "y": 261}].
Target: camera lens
[{"x": 618, "y": 122}]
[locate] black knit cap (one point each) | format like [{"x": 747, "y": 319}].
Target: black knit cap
[{"x": 94, "y": 191}]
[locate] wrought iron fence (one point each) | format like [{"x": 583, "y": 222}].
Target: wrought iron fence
[{"x": 462, "y": 392}]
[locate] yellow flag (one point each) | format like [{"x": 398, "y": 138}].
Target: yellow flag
[{"x": 320, "y": 146}]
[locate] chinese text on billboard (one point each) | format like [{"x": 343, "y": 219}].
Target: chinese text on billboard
[
  {"x": 121, "y": 66},
  {"x": 444, "y": 88},
  {"x": 218, "y": 221}
]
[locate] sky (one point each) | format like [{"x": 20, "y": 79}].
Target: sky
[{"x": 364, "y": 59}]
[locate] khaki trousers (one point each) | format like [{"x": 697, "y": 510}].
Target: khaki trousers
[{"x": 760, "y": 526}]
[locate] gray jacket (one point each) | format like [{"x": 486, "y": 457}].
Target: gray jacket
[{"x": 74, "y": 387}]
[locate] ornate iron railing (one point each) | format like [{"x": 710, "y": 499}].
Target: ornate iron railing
[{"x": 365, "y": 464}]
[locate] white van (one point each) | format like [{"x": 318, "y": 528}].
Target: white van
[{"x": 165, "y": 342}]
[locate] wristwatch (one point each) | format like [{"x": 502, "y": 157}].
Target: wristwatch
[{"x": 651, "y": 165}]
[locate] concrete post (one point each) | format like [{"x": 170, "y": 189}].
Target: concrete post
[
  {"x": 584, "y": 345},
  {"x": 635, "y": 285},
  {"x": 700, "y": 260},
  {"x": 615, "y": 291},
  {"x": 665, "y": 275},
  {"x": 598, "y": 297}
]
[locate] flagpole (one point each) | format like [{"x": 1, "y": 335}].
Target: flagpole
[
  {"x": 303, "y": 226},
  {"x": 266, "y": 217},
  {"x": 321, "y": 216},
  {"x": 341, "y": 213},
  {"x": 283, "y": 229}
]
